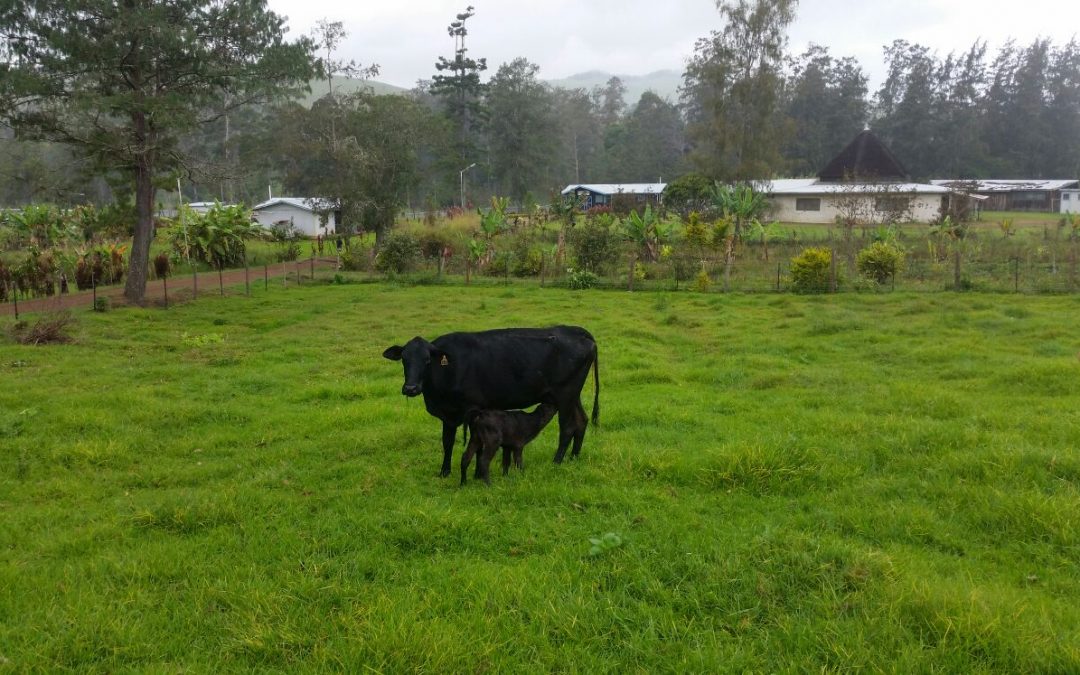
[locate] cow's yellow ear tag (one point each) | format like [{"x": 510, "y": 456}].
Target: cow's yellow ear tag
[{"x": 445, "y": 361}]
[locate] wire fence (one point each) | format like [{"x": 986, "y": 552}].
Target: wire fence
[{"x": 1013, "y": 274}]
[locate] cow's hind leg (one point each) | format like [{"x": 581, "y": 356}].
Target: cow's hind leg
[
  {"x": 582, "y": 421},
  {"x": 507, "y": 452},
  {"x": 566, "y": 430}
]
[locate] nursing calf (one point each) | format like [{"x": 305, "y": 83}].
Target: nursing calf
[{"x": 509, "y": 429}]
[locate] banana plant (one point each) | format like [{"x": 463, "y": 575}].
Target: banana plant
[
  {"x": 741, "y": 205},
  {"x": 494, "y": 221}
]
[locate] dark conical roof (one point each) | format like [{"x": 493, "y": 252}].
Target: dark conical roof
[{"x": 865, "y": 159}]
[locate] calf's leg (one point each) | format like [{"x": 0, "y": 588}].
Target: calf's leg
[
  {"x": 470, "y": 450},
  {"x": 483, "y": 463},
  {"x": 507, "y": 450}
]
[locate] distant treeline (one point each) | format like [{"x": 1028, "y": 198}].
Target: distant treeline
[{"x": 743, "y": 113}]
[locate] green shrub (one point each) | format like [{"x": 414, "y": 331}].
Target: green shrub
[
  {"x": 353, "y": 260},
  {"x": 433, "y": 242},
  {"x": 528, "y": 264},
  {"x": 582, "y": 279},
  {"x": 399, "y": 254},
  {"x": 702, "y": 282},
  {"x": 101, "y": 304},
  {"x": 499, "y": 265},
  {"x": 880, "y": 261},
  {"x": 810, "y": 270},
  {"x": 594, "y": 246}
]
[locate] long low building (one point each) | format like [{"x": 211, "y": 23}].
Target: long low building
[
  {"x": 601, "y": 194},
  {"x": 809, "y": 200},
  {"x": 864, "y": 183},
  {"x": 1016, "y": 194}
]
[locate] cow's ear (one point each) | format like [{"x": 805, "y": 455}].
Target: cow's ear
[
  {"x": 440, "y": 357},
  {"x": 392, "y": 353}
]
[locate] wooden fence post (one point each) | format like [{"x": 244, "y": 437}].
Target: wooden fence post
[{"x": 1016, "y": 274}]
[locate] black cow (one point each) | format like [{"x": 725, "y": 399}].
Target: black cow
[{"x": 504, "y": 369}]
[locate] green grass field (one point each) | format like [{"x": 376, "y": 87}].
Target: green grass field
[{"x": 834, "y": 483}]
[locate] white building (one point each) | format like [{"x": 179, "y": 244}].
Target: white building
[
  {"x": 300, "y": 212},
  {"x": 865, "y": 183},
  {"x": 1070, "y": 201},
  {"x": 808, "y": 200}
]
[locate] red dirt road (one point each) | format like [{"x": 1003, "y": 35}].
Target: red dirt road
[{"x": 180, "y": 287}]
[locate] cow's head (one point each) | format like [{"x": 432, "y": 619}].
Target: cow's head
[{"x": 417, "y": 356}]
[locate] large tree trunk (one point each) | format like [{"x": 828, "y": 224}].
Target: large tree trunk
[{"x": 138, "y": 264}]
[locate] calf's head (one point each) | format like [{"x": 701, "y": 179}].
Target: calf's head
[{"x": 417, "y": 356}]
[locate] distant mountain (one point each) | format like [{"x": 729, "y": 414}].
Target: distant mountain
[
  {"x": 346, "y": 85},
  {"x": 664, "y": 83}
]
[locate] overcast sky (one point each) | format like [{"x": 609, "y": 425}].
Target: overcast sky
[{"x": 635, "y": 37}]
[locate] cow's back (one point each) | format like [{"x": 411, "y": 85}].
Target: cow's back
[{"x": 509, "y": 368}]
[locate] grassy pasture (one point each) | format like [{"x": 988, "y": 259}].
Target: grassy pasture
[{"x": 881, "y": 482}]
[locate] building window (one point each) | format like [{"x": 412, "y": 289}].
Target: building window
[
  {"x": 807, "y": 204},
  {"x": 1065, "y": 196}
]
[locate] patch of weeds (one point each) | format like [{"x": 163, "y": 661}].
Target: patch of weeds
[
  {"x": 201, "y": 340},
  {"x": 661, "y": 303},
  {"x": 49, "y": 328},
  {"x": 1016, "y": 312},
  {"x": 220, "y": 322}
]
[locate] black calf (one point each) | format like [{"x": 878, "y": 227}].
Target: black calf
[{"x": 510, "y": 429}]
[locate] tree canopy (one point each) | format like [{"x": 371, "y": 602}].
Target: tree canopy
[{"x": 121, "y": 81}]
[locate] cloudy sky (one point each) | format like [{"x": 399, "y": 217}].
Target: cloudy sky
[{"x": 634, "y": 37}]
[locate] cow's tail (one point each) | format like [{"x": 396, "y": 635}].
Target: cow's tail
[{"x": 596, "y": 380}]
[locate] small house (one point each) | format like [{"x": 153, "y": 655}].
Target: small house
[
  {"x": 302, "y": 213},
  {"x": 601, "y": 194}
]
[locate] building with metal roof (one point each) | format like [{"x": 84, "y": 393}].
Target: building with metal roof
[
  {"x": 601, "y": 194},
  {"x": 1016, "y": 194}
]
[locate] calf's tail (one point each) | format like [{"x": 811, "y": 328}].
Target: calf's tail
[{"x": 596, "y": 380}]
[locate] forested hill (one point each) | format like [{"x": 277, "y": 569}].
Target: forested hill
[{"x": 663, "y": 83}]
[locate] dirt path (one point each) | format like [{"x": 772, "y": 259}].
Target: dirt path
[{"x": 181, "y": 287}]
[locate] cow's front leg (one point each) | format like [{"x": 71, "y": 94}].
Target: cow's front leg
[{"x": 449, "y": 433}]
